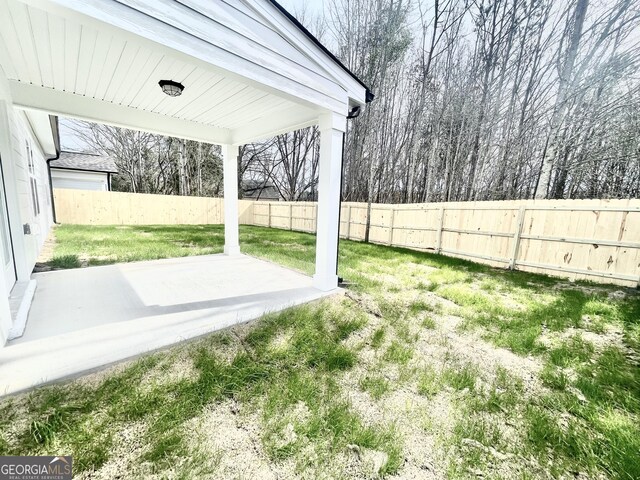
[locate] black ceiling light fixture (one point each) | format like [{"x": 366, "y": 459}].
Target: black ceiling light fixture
[{"x": 171, "y": 88}]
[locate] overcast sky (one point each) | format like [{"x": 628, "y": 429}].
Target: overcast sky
[{"x": 293, "y": 5}]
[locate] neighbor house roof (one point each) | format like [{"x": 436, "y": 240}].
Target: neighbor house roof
[
  {"x": 90, "y": 162},
  {"x": 255, "y": 189}
]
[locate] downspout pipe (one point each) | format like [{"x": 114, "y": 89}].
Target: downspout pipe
[
  {"x": 353, "y": 113},
  {"x": 56, "y": 136},
  {"x": 53, "y": 202}
]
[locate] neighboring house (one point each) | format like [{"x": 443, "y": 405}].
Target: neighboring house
[
  {"x": 82, "y": 171},
  {"x": 259, "y": 190}
]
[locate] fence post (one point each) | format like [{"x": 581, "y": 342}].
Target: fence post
[
  {"x": 269, "y": 214},
  {"x": 516, "y": 238},
  {"x": 393, "y": 211},
  {"x": 439, "y": 244},
  {"x": 315, "y": 217},
  {"x": 290, "y": 216},
  {"x": 348, "y": 222}
]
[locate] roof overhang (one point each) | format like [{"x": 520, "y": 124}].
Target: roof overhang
[
  {"x": 45, "y": 131},
  {"x": 250, "y": 71},
  {"x": 369, "y": 95}
]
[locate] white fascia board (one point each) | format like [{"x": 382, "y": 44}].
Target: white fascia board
[
  {"x": 355, "y": 91},
  {"x": 133, "y": 25},
  {"x": 41, "y": 127},
  {"x": 5, "y": 93},
  {"x": 77, "y": 174},
  {"x": 200, "y": 23},
  {"x": 31, "y": 97}
]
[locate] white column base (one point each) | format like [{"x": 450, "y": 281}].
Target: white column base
[
  {"x": 232, "y": 250},
  {"x": 324, "y": 283}
]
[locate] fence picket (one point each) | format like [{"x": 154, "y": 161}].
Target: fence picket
[
  {"x": 516, "y": 237},
  {"x": 559, "y": 235}
]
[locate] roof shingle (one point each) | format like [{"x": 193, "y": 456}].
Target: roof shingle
[{"x": 91, "y": 162}]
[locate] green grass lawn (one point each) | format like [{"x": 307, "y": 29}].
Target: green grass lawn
[{"x": 428, "y": 367}]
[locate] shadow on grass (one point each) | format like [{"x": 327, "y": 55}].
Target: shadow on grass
[
  {"x": 586, "y": 420},
  {"x": 83, "y": 420}
]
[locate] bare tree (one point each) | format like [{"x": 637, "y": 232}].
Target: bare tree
[{"x": 475, "y": 100}]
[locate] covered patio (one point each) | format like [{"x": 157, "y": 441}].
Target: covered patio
[
  {"x": 244, "y": 72},
  {"x": 226, "y": 73},
  {"x": 82, "y": 319}
]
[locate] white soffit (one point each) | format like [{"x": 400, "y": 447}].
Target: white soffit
[
  {"x": 41, "y": 127},
  {"x": 70, "y": 64}
]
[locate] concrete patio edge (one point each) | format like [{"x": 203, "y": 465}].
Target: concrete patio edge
[{"x": 31, "y": 363}]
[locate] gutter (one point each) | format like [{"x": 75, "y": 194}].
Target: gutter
[
  {"x": 90, "y": 170},
  {"x": 340, "y": 279},
  {"x": 353, "y": 113},
  {"x": 369, "y": 95},
  {"x": 56, "y": 138}
]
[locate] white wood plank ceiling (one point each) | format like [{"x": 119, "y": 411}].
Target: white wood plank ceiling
[{"x": 43, "y": 49}]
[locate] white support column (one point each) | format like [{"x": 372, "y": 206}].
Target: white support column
[
  {"x": 332, "y": 128},
  {"x": 230, "y": 164}
]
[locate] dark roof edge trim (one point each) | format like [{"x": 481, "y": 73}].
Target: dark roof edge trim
[
  {"x": 369, "y": 96},
  {"x": 92, "y": 170}
]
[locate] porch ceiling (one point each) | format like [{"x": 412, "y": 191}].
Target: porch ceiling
[{"x": 72, "y": 65}]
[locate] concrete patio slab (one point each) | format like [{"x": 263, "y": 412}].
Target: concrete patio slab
[{"x": 85, "y": 318}]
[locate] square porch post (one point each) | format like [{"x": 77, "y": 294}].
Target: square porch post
[
  {"x": 332, "y": 127},
  {"x": 230, "y": 155}
]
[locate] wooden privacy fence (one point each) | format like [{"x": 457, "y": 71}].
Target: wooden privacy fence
[
  {"x": 597, "y": 240},
  {"x": 89, "y": 207}
]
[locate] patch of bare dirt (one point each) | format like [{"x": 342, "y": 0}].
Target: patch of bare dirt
[
  {"x": 128, "y": 445},
  {"x": 622, "y": 292},
  {"x": 471, "y": 348},
  {"x": 421, "y": 420},
  {"x": 412, "y": 416},
  {"x": 95, "y": 379},
  {"x": 611, "y": 336},
  {"x": 180, "y": 367},
  {"x": 46, "y": 253},
  {"x": 233, "y": 444}
]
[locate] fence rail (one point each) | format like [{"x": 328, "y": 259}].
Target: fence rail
[
  {"x": 119, "y": 208},
  {"x": 597, "y": 240}
]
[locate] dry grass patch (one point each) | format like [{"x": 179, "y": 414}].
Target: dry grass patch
[{"x": 429, "y": 367}]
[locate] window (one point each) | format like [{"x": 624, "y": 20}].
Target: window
[
  {"x": 34, "y": 196},
  {"x": 32, "y": 180},
  {"x": 30, "y": 158}
]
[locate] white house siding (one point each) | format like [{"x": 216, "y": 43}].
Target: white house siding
[
  {"x": 79, "y": 180},
  {"x": 16, "y": 133},
  {"x": 41, "y": 223}
]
